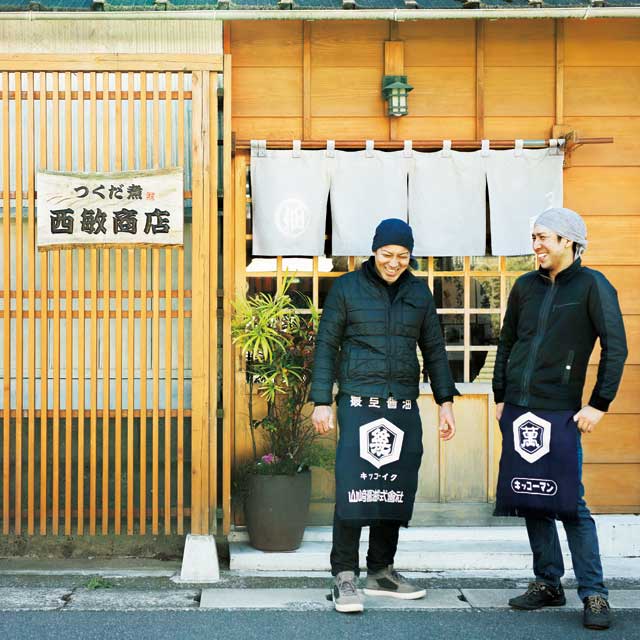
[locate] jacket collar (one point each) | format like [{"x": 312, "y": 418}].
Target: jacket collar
[{"x": 565, "y": 274}]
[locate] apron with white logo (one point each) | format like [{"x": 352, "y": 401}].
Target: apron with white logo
[
  {"x": 539, "y": 474},
  {"x": 377, "y": 459}
]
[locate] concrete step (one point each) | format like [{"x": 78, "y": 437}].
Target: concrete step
[
  {"x": 412, "y": 534},
  {"x": 416, "y": 556},
  {"x": 438, "y": 548}
]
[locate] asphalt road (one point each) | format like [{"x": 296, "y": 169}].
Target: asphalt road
[{"x": 309, "y": 625}]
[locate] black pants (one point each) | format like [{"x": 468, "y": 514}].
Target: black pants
[{"x": 383, "y": 542}]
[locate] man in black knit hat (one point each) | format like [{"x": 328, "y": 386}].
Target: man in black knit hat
[{"x": 372, "y": 323}]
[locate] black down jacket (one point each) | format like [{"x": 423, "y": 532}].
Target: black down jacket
[{"x": 368, "y": 343}]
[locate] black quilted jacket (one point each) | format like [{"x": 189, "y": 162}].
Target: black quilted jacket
[{"x": 368, "y": 343}]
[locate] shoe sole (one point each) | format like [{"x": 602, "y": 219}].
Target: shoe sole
[
  {"x": 349, "y": 608},
  {"x": 542, "y": 606},
  {"x": 414, "y": 595}
]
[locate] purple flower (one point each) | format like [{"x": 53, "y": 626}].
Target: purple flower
[{"x": 269, "y": 458}]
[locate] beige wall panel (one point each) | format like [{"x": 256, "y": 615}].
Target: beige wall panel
[
  {"x": 442, "y": 91},
  {"x": 531, "y": 128},
  {"x": 601, "y": 91},
  {"x": 414, "y": 128},
  {"x": 526, "y": 91},
  {"x": 242, "y": 449},
  {"x": 615, "y": 439},
  {"x": 323, "y": 485},
  {"x": 346, "y": 92},
  {"x": 497, "y": 452},
  {"x": 625, "y": 280},
  {"x": 613, "y": 240},
  {"x": 123, "y": 35},
  {"x": 632, "y": 329},
  {"x": 626, "y": 401},
  {"x": 519, "y": 43},
  {"x": 443, "y": 43},
  {"x": 624, "y": 151},
  {"x": 266, "y": 44},
  {"x": 466, "y": 456},
  {"x": 348, "y": 44},
  {"x": 268, "y": 128},
  {"x": 350, "y": 129},
  {"x": 611, "y": 484},
  {"x": 428, "y": 480},
  {"x": 267, "y": 91},
  {"x": 594, "y": 43},
  {"x": 584, "y": 192}
]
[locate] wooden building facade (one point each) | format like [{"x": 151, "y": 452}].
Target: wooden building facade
[
  {"x": 115, "y": 425},
  {"x": 473, "y": 79}
]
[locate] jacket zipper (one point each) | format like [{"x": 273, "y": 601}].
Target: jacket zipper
[
  {"x": 387, "y": 391},
  {"x": 566, "y": 374},
  {"x": 535, "y": 345}
]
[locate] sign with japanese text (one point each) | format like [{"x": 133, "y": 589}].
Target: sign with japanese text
[{"x": 133, "y": 207}]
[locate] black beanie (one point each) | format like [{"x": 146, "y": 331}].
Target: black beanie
[{"x": 393, "y": 231}]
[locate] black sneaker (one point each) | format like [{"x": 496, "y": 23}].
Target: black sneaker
[
  {"x": 597, "y": 613},
  {"x": 539, "y": 595}
]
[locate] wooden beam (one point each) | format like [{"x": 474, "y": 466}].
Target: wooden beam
[
  {"x": 480, "y": 49},
  {"x": 394, "y": 58},
  {"x": 111, "y": 62},
  {"x": 306, "y": 80},
  {"x": 393, "y": 66},
  {"x": 559, "y": 72}
]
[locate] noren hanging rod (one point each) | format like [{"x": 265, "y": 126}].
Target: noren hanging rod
[{"x": 425, "y": 145}]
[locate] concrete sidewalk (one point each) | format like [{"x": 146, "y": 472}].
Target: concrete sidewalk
[
  {"x": 462, "y": 568},
  {"x": 146, "y": 585},
  {"x": 118, "y": 598}
]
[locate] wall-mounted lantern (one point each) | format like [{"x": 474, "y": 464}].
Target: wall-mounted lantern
[
  {"x": 395, "y": 87},
  {"x": 395, "y": 90}
]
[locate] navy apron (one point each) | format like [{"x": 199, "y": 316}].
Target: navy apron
[
  {"x": 539, "y": 473},
  {"x": 377, "y": 459}
]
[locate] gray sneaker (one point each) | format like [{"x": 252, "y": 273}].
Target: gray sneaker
[
  {"x": 346, "y": 597},
  {"x": 389, "y": 582}
]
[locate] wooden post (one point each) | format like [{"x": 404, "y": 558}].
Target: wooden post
[
  {"x": 228, "y": 252},
  {"x": 201, "y": 308},
  {"x": 393, "y": 66}
]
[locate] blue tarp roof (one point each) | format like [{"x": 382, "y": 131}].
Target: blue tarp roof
[{"x": 141, "y": 5}]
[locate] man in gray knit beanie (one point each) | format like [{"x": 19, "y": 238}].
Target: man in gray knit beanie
[{"x": 554, "y": 316}]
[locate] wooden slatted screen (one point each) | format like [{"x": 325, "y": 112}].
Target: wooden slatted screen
[{"x": 102, "y": 429}]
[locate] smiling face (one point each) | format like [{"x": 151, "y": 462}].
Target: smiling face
[
  {"x": 392, "y": 261},
  {"x": 554, "y": 252}
]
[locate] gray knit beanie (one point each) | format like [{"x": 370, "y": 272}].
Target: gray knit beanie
[{"x": 565, "y": 223}]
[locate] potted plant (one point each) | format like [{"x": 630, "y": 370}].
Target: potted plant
[{"x": 277, "y": 342}]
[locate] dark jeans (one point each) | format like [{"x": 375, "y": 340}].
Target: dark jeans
[
  {"x": 582, "y": 537},
  {"x": 383, "y": 542}
]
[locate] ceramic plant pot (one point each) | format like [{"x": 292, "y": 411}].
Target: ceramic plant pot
[{"x": 276, "y": 510}]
